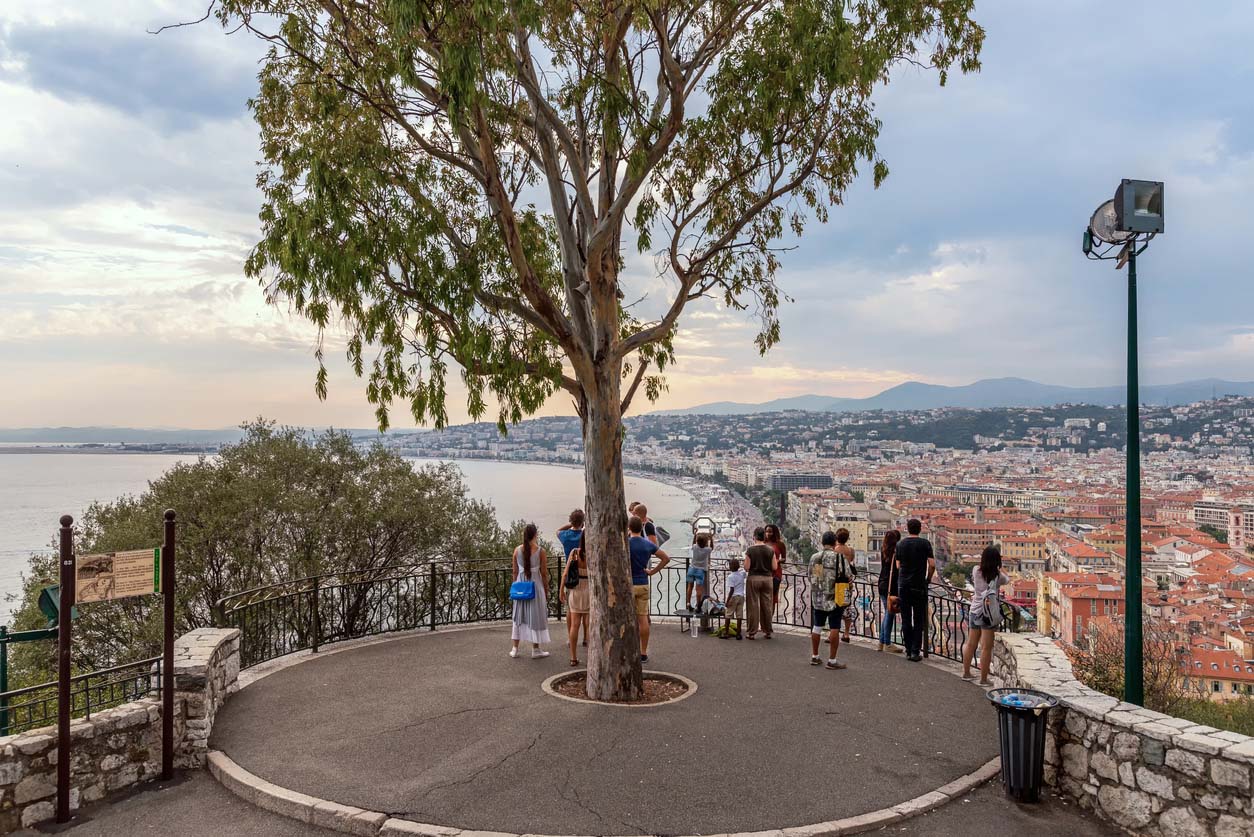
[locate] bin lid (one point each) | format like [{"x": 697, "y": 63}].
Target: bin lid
[{"x": 1029, "y": 699}]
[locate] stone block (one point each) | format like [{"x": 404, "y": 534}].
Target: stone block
[
  {"x": 1126, "y": 774},
  {"x": 33, "y": 744},
  {"x": 93, "y": 793},
  {"x": 112, "y": 762},
  {"x": 1229, "y": 775},
  {"x": 1200, "y": 743},
  {"x": 404, "y": 828},
  {"x": 125, "y": 777},
  {"x": 39, "y": 812},
  {"x": 1182, "y": 822},
  {"x": 1155, "y": 783},
  {"x": 1153, "y": 752},
  {"x": 1190, "y": 764},
  {"x": 1104, "y": 766},
  {"x": 11, "y": 771},
  {"x": 1230, "y": 826},
  {"x": 1128, "y": 808},
  {"x": 1075, "y": 761},
  {"x": 1127, "y": 746},
  {"x": 39, "y": 786}
]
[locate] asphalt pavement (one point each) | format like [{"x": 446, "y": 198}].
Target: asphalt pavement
[
  {"x": 986, "y": 812},
  {"x": 447, "y": 729}
]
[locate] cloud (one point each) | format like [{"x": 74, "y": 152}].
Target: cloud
[{"x": 142, "y": 75}]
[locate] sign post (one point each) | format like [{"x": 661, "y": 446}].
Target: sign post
[
  {"x": 166, "y": 583},
  {"x": 64, "y": 616}
]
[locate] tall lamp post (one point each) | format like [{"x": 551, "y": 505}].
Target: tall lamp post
[{"x": 1121, "y": 229}]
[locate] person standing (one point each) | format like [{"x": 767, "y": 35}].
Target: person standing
[
  {"x": 888, "y": 575},
  {"x": 915, "y": 564},
  {"x": 649, "y": 529},
  {"x": 531, "y": 616},
  {"x": 831, "y": 575},
  {"x": 985, "y": 616},
  {"x": 642, "y": 551},
  {"x": 571, "y": 534},
  {"x": 762, "y": 563},
  {"x": 578, "y": 599},
  {"x": 570, "y": 537},
  {"x": 780, "y": 548},
  {"x": 698, "y": 568},
  {"x": 736, "y": 581}
]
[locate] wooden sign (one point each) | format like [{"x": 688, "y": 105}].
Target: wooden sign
[{"x": 117, "y": 575}]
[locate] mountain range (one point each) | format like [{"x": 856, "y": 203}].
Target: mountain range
[{"x": 990, "y": 392}]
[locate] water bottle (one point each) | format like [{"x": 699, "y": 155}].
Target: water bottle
[{"x": 692, "y": 620}]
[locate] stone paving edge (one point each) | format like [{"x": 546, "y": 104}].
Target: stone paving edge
[{"x": 349, "y": 819}]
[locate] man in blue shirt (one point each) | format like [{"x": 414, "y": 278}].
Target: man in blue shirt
[{"x": 642, "y": 551}]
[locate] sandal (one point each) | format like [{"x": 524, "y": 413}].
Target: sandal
[{"x": 574, "y": 663}]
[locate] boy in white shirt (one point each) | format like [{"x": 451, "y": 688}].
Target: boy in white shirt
[{"x": 736, "y": 596}]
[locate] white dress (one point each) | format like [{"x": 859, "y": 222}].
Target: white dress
[{"x": 531, "y": 617}]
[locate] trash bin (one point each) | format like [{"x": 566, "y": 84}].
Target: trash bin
[{"x": 1021, "y": 719}]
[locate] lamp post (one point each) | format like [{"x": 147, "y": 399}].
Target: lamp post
[{"x": 1126, "y": 224}]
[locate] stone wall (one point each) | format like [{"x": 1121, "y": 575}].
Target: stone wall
[
  {"x": 1144, "y": 771},
  {"x": 120, "y": 747}
]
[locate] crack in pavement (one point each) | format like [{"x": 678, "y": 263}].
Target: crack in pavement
[
  {"x": 424, "y": 721},
  {"x": 487, "y": 768}
]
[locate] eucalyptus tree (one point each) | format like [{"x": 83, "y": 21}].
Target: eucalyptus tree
[{"x": 455, "y": 183}]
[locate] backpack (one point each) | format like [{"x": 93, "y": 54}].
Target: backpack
[
  {"x": 841, "y": 589},
  {"x": 572, "y": 572},
  {"x": 662, "y": 535}
]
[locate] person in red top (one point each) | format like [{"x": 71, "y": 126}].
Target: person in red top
[{"x": 776, "y": 543}]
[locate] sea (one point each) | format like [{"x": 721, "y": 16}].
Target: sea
[{"x": 37, "y": 488}]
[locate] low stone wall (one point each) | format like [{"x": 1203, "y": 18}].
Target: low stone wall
[
  {"x": 1145, "y": 771},
  {"x": 120, "y": 747}
]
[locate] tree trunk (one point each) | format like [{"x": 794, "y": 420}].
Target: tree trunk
[{"x": 613, "y": 636}]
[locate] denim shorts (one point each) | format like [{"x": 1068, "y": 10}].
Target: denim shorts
[
  {"x": 832, "y": 619},
  {"x": 696, "y": 575}
]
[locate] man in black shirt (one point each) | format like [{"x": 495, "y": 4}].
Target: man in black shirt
[{"x": 915, "y": 566}]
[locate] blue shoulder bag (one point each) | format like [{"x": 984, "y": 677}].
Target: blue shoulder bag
[{"x": 522, "y": 590}]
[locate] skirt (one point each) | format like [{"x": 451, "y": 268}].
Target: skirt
[
  {"x": 579, "y": 600},
  {"x": 531, "y": 619}
]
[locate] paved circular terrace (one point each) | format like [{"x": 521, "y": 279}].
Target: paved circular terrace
[{"x": 446, "y": 729}]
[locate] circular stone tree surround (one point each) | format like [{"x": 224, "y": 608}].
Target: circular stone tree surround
[{"x": 661, "y": 688}]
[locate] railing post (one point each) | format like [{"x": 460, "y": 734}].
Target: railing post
[
  {"x": 317, "y": 616},
  {"x": 431, "y": 597},
  {"x": 66, "y": 609},
  {"x": 4, "y": 680},
  {"x": 561, "y": 582},
  {"x": 167, "y": 660}
]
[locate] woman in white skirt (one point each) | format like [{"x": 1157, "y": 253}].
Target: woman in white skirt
[{"x": 531, "y": 616}]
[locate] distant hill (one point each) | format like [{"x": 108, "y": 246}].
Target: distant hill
[{"x": 991, "y": 392}]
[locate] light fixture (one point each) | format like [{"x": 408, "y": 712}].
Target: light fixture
[{"x": 1139, "y": 206}]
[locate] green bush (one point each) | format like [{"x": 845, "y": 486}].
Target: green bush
[
  {"x": 1235, "y": 715},
  {"x": 280, "y": 504}
]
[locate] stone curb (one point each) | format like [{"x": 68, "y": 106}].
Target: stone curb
[
  {"x": 348, "y": 819},
  {"x": 547, "y": 687}
]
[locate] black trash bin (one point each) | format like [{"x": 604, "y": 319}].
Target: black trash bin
[{"x": 1021, "y": 719}]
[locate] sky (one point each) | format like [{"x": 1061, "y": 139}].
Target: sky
[{"x": 128, "y": 205}]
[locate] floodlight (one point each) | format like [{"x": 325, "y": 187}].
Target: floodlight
[
  {"x": 1139, "y": 206},
  {"x": 1104, "y": 226}
]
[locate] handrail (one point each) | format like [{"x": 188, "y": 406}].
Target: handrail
[
  {"x": 305, "y": 613},
  {"x": 78, "y": 678}
]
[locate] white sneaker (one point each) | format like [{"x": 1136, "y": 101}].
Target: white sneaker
[
  {"x": 513, "y": 653},
  {"x": 539, "y": 655}
]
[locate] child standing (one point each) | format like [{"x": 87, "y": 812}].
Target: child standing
[{"x": 735, "y": 596}]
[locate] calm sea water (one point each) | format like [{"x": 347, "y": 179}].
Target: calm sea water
[{"x": 37, "y": 488}]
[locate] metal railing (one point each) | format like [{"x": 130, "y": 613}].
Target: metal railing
[
  {"x": 36, "y": 706},
  {"x": 307, "y": 613}
]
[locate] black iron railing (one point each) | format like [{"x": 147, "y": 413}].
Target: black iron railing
[
  {"x": 308, "y": 613},
  {"x": 36, "y": 706}
]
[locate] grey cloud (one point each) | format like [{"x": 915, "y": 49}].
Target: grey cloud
[{"x": 153, "y": 76}]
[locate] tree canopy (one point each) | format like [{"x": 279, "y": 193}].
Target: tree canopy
[{"x": 454, "y": 182}]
